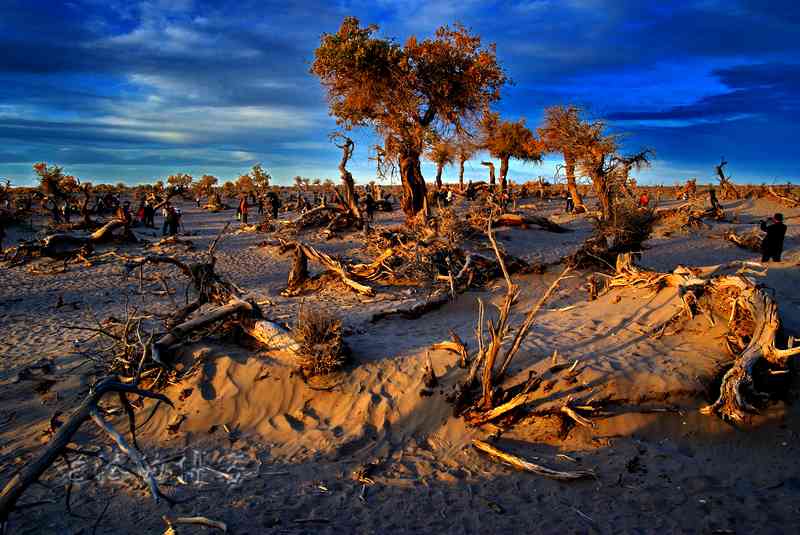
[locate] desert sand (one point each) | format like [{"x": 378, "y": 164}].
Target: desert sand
[{"x": 370, "y": 449}]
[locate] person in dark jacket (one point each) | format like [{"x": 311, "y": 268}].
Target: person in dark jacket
[
  {"x": 369, "y": 205},
  {"x": 772, "y": 244},
  {"x": 274, "y": 204}
]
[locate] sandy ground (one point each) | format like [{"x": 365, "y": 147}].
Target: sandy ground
[{"x": 250, "y": 444}]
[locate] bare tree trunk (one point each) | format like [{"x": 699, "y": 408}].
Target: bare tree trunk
[
  {"x": 503, "y": 172},
  {"x": 439, "y": 168},
  {"x": 347, "y": 147},
  {"x": 461, "y": 173},
  {"x": 414, "y": 190},
  {"x": 603, "y": 195},
  {"x": 572, "y": 186},
  {"x": 490, "y": 165}
]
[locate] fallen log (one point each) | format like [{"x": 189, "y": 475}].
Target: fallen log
[
  {"x": 305, "y": 252},
  {"x": 433, "y": 302},
  {"x": 515, "y": 220}
]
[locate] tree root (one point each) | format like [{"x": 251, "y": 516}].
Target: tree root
[{"x": 753, "y": 317}]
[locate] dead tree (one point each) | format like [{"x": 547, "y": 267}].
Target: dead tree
[
  {"x": 729, "y": 191},
  {"x": 753, "y": 325},
  {"x": 346, "y": 144}
]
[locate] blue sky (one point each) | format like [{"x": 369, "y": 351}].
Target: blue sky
[{"x": 120, "y": 90}]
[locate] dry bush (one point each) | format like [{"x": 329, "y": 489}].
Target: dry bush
[
  {"x": 624, "y": 232},
  {"x": 319, "y": 335},
  {"x": 628, "y": 227}
]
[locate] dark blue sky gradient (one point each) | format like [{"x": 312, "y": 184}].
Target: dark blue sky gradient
[{"x": 134, "y": 91}]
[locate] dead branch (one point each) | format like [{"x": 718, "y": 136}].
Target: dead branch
[
  {"x": 32, "y": 471},
  {"x": 527, "y": 466}
]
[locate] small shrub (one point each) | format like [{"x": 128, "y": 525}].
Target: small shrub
[{"x": 319, "y": 336}]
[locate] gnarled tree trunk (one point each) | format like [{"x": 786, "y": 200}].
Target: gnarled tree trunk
[
  {"x": 347, "y": 147},
  {"x": 414, "y": 190},
  {"x": 503, "y": 172},
  {"x": 461, "y": 173},
  {"x": 439, "y": 168}
]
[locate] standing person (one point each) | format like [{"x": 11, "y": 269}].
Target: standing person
[
  {"x": 165, "y": 211},
  {"x": 172, "y": 220},
  {"x": 260, "y": 205},
  {"x": 149, "y": 215},
  {"x": 243, "y": 209},
  {"x": 274, "y": 203},
  {"x": 369, "y": 205},
  {"x": 140, "y": 213},
  {"x": 569, "y": 203},
  {"x": 197, "y": 200},
  {"x": 772, "y": 244},
  {"x": 178, "y": 221}
]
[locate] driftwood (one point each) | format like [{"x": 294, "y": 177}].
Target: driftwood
[
  {"x": 749, "y": 301},
  {"x": 785, "y": 199},
  {"x": 514, "y": 220},
  {"x": 729, "y": 191},
  {"x": 299, "y": 272},
  {"x": 33, "y": 470},
  {"x": 192, "y": 520},
  {"x": 526, "y": 466},
  {"x": 752, "y": 311},
  {"x": 455, "y": 345},
  {"x": 751, "y": 241}
]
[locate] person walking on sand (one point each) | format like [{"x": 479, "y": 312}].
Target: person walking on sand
[
  {"x": 243, "y": 209},
  {"x": 172, "y": 220},
  {"x": 165, "y": 211},
  {"x": 149, "y": 215},
  {"x": 369, "y": 204},
  {"x": 274, "y": 203},
  {"x": 772, "y": 244}
]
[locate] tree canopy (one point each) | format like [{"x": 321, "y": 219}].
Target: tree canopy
[
  {"x": 442, "y": 152},
  {"x": 406, "y": 92},
  {"x": 509, "y": 139}
]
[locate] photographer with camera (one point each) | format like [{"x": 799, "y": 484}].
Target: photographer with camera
[{"x": 772, "y": 244}]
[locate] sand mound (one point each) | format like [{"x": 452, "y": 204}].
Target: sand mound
[
  {"x": 368, "y": 409},
  {"x": 376, "y": 405}
]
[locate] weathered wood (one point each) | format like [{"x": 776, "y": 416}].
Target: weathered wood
[
  {"x": 515, "y": 220},
  {"x": 179, "y": 332},
  {"x": 526, "y": 466},
  {"x": 33, "y": 470}
]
